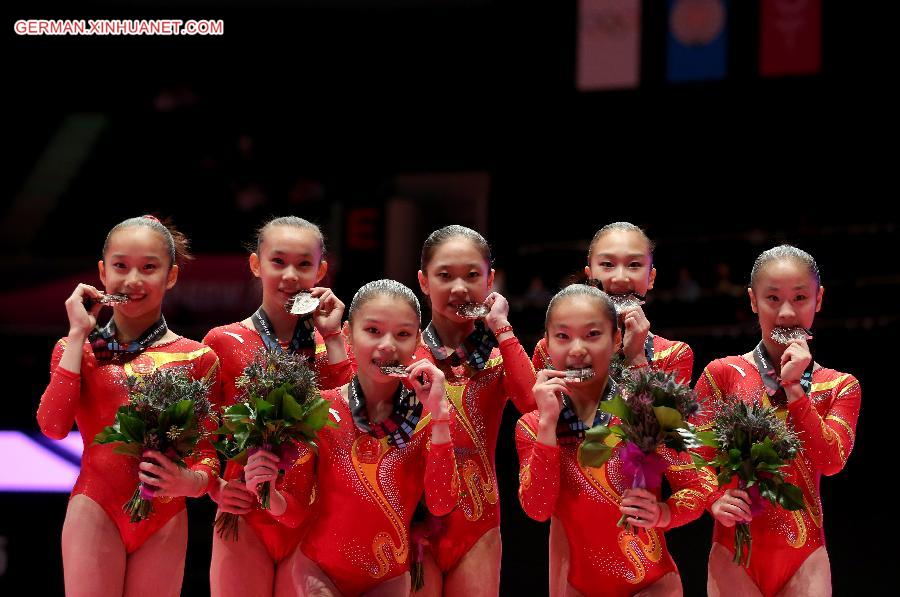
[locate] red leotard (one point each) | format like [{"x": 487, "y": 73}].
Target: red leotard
[
  {"x": 367, "y": 492},
  {"x": 825, "y": 423},
  {"x": 91, "y": 399},
  {"x": 236, "y": 345},
  {"x": 477, "y": 399},
  {"x": 604, "y": 559},
  {"x": 672, "y": 356}
]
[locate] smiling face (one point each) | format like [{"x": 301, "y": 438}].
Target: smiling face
[
  {"x": 384, "y": 331},
  {"x": 137, "y": 264},
  {"x": 581, "y": 334},
  {"x": 457, "y": 274},
  {"x": 785, "y": 294},
  {"x": 621, "y": 261},
  {"x": 289, "y": 260}
]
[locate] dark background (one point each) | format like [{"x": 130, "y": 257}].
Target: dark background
[{"x": 320, "y": 108}]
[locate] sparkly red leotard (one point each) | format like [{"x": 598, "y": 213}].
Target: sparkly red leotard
[
  {"x": 603, "y": 558},
  {"x": 236, "y": 344},
  {"x": 91, "y": 399},
  {"x": 825, "y": 421},
  {"x": 367, "y": 492},
  {"x": 477, "y": 399}
]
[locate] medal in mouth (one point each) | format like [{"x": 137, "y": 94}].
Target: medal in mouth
[
  {"x": 303, "y": 303},
  {"x": 394, "y": 370},
  {"x": 785, "y": 335},
  {"x": 472, "y": 310},
  {"x": 625, "y": 301},
  {"x": 106, "y": 299},
  {"x": 578, "y": 375}
]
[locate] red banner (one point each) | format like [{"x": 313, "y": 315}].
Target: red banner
[{"x": 790, "y": 37}]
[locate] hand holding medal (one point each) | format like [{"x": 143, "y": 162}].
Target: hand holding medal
[{"x": 82, "y": 308}]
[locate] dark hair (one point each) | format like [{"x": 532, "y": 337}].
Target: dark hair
[
  {"x": 384, "y": 287},
  {"x": 621, "y": 227},
  {"x": 583, "y": 290},
  {"x": 780, "y": 253},
  {"x": 442, "y": 235},
  {"x": 177, "y": 243},
  {"x": 293, "y": 221}
]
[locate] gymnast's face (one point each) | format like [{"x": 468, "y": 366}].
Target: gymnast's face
[
  {"x": 384, "y": 331},
  {"x": 457, "y": 274},
  {"x": 137, "y": 264},
  {"x": 581, "y": 334},
  {"x": 289, "y": 260},
  {"x": 621, "y": 261},
  {"x": 785, "y": 294}
]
